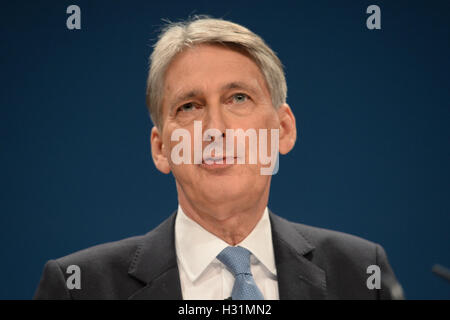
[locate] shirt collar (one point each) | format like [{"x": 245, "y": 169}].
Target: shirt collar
[
  {"x": 197, "y": 248},
  {"x": 259, "y": 243}
]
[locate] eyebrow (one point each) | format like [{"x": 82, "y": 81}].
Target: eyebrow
[
  {"x": 184, "y": 96},
  {"x": 193, "y": 93},
  {"x": 238, "y": 85}
]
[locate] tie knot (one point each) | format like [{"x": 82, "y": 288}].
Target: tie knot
[{"x": 237, "y": 259}]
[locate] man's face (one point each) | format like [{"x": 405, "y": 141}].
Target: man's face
[{"x": 224, "y": 89}]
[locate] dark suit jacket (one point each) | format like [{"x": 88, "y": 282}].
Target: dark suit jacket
[{"x": 312, "y": 263}]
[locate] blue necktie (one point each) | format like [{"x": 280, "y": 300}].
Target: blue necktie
[{"x": 237, "y": 260}]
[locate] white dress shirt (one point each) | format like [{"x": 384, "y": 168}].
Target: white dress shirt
[{"x": 204, "y": 277}]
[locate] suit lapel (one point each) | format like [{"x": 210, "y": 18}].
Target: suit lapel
[
  {"x": 155, "y": 264},
  {"x": 298, "y": 277}
]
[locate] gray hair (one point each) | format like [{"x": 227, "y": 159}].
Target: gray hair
[{"x": 175, "y": 37}]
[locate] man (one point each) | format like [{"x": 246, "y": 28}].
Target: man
[{"x": 211, "y": 81}]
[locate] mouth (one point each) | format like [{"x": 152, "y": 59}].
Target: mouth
[{"x": 218, "y": 162}]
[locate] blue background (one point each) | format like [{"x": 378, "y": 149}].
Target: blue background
[{"x": 372, "y": 109}]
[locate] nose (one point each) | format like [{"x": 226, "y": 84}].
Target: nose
[
  {"x": 214, "y": 120},
  {"x": 212, "y": 137}
]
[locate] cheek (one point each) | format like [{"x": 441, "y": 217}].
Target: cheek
[
  {"x": 272, "y": 120},
  {"x": 183, "y": 140},
  {"x": 266, "y": 118}
]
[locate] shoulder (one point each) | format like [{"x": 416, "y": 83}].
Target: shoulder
[
  {"x": 327, "y": 248},
  {"x": 101, "y": 270},
  {"x": 349, "y": 261},
  {"x": 121, "y": 253},
  {"x": 117, "y": 253},
  {"x": 346, "y": 259},
  {"x": 105, "y": 270},
  {"x": 327, "y": 240}
]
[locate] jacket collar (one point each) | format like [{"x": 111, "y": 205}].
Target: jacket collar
[
  {"x": 298, "y": 277},
  {"x": 155, "y": 263}
]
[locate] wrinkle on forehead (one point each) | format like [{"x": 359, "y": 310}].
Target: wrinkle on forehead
[{"x": 186, "y": 62}]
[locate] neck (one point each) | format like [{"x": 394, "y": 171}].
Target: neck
[{"x": 231, "y": 223}]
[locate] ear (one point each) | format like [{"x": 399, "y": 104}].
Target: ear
[
  {"x": 158, "y": 152},
  {"x": 288, "y": 129}
]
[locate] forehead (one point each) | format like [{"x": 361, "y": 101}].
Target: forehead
[{"x": 209, "y": 67}]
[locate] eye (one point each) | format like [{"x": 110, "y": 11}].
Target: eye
[
  {"x": 240, "y": 98},
  {"x": 186, "y": 107}
]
